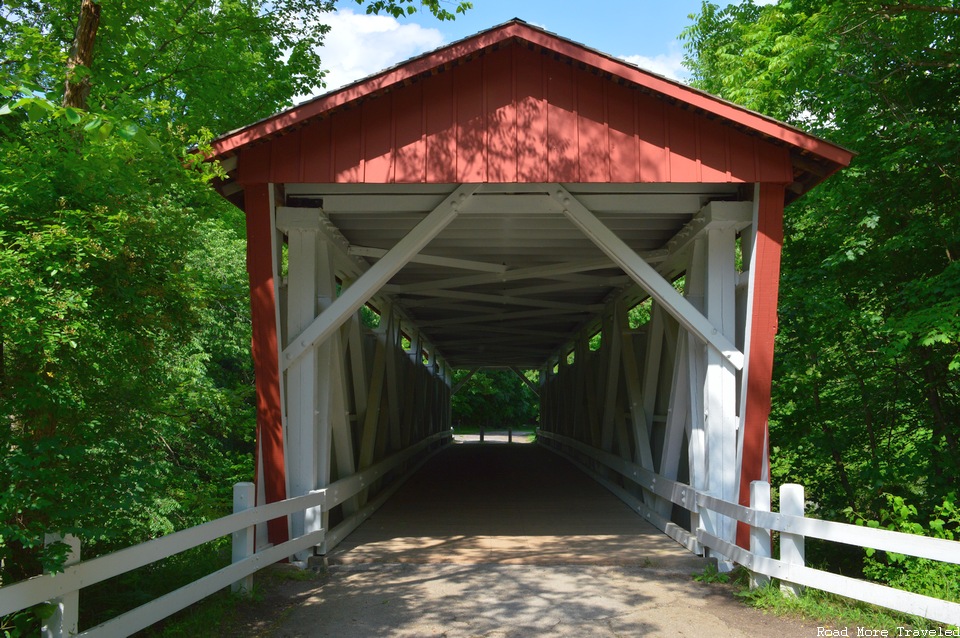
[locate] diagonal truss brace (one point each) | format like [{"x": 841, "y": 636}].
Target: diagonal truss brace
[
  {"x": 648, "y": 278},
  {"x": 372, "y": 280}
]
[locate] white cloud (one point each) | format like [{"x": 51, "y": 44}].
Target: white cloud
[
  {"x": 668, "y": 64},
  {"x": 359, "y": 45}
]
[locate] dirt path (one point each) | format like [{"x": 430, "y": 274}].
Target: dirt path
[{"x": 505, "y": 541}]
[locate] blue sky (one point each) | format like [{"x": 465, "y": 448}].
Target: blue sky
[{"x": 644, "y": 32}]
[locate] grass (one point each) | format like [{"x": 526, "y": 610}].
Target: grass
[
  {"x": 825, "y": 609},
  {"x": 220, "y": 614}
]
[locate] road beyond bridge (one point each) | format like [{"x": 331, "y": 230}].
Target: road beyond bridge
[{"x": 510, "y": 540}]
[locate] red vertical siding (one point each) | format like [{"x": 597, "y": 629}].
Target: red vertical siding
[
  {"x": 441, "y": 139},
  {"x": 500, "y": 107},
  {"x": 515, "y": 114},
  {"x": 531, "y": 117},
  {"x": 253, "y": 163},
  {"x": 409, "y": 138},
  {"x": 652, "y": 133},
  {"x": 471, "y": 138},
  {"x": 378, "y": 140},
  {"x": 763, "y": 329},
  {"x": 774, "y": 164},
  {"x": 624, "y": 154},
  {"x": 713, "y": 151},
  {"x": 742, "y": 156},
  {"x": 266, "y": 357},
  {"x": 347, "y": 146},
  {"x": 317, "y": 151},
  {"x": 682, "y": 133},
  {"x": 562, "y": 138},
  {"x": 593, "y": 152},
  {"x": 285, "y": 157}
]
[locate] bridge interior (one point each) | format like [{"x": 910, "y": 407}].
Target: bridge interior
[{"x": 508, "y": 504}]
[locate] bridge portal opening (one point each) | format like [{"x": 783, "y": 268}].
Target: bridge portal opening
[{"x": 500, "y": 202}]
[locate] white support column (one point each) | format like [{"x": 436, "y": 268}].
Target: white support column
[
  {"x": 677, "y": 418},
  {"x": 695, "y": 292},
  {"x": 393, "y": 349},
  {"x": 720, "y": 388},
  {"x": 611, "y": 344},
  {"x": 336, "y": 439},
  {"x": 304, "y": 435}
]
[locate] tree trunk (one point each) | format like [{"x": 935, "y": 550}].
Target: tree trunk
[{"x": 77, "y": 85}]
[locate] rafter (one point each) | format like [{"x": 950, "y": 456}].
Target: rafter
[{"x": 651, "y": 281}]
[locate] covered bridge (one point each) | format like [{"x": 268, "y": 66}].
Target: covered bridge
[{"x": 498, "y": 202}]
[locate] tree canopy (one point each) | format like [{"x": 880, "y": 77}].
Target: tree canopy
[{"x": 866, "y": 405}]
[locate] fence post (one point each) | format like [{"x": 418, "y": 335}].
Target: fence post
[
  {"x": 759, "y": 536},
  {"x": 791, "y": 545},
  {"x": 66, "y": 613},
  {"x": 244, "y": 495}
]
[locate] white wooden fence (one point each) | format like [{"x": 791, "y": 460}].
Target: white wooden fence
[
  {"x": 61, "y": 588},
  {"x": 789, "y": 568},
  {"x": 790, "y": 522}
]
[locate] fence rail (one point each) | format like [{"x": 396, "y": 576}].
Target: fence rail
[
  {"x": 789, "y": 569},
  {"x": 50, "y": 587}
]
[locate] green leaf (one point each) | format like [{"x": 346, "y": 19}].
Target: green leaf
[
  {"x": 128, "y": 131},
  {"x": 74, "y": 116}
]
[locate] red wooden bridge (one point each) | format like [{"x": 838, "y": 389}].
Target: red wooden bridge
[{"x": 498, "y": 203}]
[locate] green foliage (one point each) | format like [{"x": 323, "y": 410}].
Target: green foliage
[
  {"x": 496, "y": 398},
  {"x": 126, "y": 386},
  {"x": 400, "y": 8},
  {"x": 866, "y": 395},
  {"x": 919, "y": 575},
  {"x": 827, "y": 610}
]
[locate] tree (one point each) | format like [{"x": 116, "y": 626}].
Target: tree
[
  {"x": 125, "y": 383},
  {"x": 496, "y": 398},
  {"x": 869, "y": 346}
]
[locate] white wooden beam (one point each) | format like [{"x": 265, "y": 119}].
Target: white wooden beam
[
  {"x": 517, "y": 274},
  {"x": 446, "y": 262},
  {"x": 370, "y": 282},
  {"x": 651, "y": 281},
  {"x": 504, "y": 300},
  {"x": 502, "y": 316}
]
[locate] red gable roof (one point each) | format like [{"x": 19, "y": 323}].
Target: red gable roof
[{"x": 518, "y": 104}]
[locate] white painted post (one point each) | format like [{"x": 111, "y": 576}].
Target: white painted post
[
  {"x": 66, "y": 613},
  {"x": 759, "y": 536},
  {"x": 243, "y": 499},
  {"x": 791, "y": 545}
]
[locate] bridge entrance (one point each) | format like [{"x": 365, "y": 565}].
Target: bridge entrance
[{"x": 504, "y": 202}]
